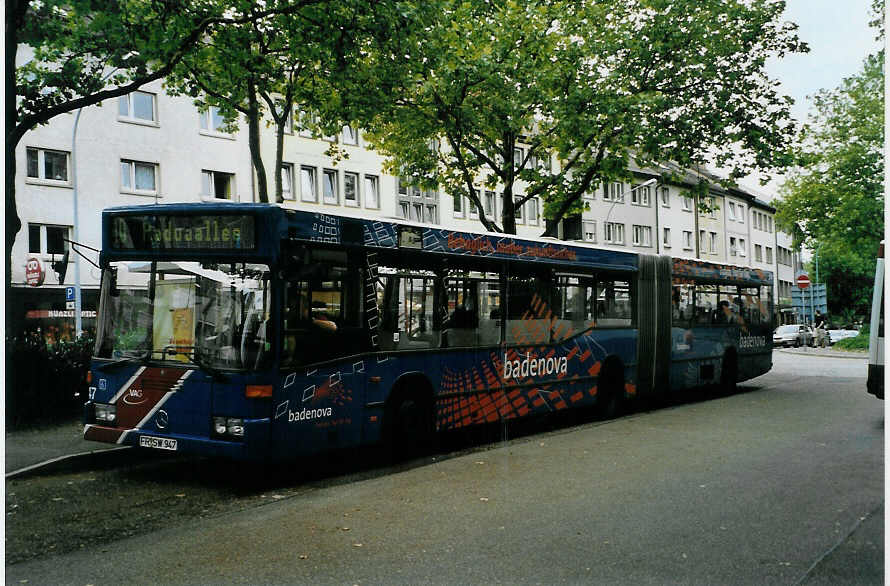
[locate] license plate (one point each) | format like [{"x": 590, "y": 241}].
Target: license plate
[{"x": 159, "y": 443}]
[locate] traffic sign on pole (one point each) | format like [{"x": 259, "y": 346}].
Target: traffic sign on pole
[
  {"x": 69, "y": 293},
  {"x": 803, "y": 281}
]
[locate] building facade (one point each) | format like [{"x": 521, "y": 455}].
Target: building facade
[{"x": 149, "y": 147}]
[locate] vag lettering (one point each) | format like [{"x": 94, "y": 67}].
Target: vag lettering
[{"x": 529, "y": 366}]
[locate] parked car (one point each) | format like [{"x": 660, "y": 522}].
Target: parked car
[
  {"x": 835, "y": 335},
  {"x": 795, "y": 335}
]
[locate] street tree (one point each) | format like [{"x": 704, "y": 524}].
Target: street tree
[
  {"x": 260, "y": 69},
  {"x": 834, "y": 198},
  {"x": 588, "y": 86},
  {"x": 62, "y": 55}
]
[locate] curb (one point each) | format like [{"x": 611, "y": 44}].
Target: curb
[
  {"x": 63, "y": 462},
  {"x": 817, "y": 354}
]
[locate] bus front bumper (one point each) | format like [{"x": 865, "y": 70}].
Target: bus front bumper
[{"x": 253, "y": 446}]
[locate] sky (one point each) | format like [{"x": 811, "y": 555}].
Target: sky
[{"x": 839, "y": 38}]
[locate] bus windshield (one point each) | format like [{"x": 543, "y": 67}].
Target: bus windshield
[{"x": 213, "y": 315}]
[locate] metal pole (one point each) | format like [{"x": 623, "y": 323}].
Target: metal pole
[{"x": 78, "y": 320}]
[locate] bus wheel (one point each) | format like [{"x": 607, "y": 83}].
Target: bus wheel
[
  {"x": 611, "y": 390},
  {"x": 729, "y": 374},
  {"x": 411, "y": 427}
]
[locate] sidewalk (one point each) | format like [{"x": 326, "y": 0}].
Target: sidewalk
[
  {"x": 28, "y": 447},
  {"x": 823, "y": 352}
]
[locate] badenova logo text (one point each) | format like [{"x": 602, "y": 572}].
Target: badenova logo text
[
  {"x": 529, "y": 366},
  {"x": 308, "y": 414}
]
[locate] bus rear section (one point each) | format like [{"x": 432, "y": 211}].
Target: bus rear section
[{"x": 876, "y": 332}]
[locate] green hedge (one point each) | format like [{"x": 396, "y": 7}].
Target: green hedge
[
  {"x": 45, "y": 383},
  {"x": 860, "y": 342}
]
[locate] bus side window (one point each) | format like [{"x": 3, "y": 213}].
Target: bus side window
[
  {"x": 705, "y": 304},
  {"x": 573, "y": 305},
  {"x": 407, "y": 307},
  {"x": 462, "y": 322},
  {"x": 528, "y": 309},
  {"x": 614, "y": 303},
  {"x": 681, "y": 305}
]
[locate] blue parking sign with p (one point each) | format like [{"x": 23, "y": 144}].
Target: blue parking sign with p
[{"x": 69, "y": 293}]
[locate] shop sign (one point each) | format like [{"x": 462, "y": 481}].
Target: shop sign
[{"x": 34, "y": 272}]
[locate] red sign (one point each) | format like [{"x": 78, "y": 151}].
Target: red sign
[
  {"x": 34, "y": 272},
  {"x": 803, "y": 281}
]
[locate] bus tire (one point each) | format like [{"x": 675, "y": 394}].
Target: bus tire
[
  {"x": 611, "y": 389},
  {"x": 729, "y": 374},
  {"x": 409, "y": 424}
]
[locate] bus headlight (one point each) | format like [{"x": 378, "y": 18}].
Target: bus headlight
[
  {"x": 228, "y": 427},
  {"x": 105, "y": 412},
  {"x": 235, "y": 427},
  {"x": 219, "y": 425}
]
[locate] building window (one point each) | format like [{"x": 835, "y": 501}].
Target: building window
[
  {"x": 217, "y": 184},
  {"x": 614, "y": 233},
  {"x": 137, "y": 107},
  {"x": 308, "y": 190},
  {"x": 713, "y": 242},
  {"x": 613, "y": 192},
  {"x": 758, "y": 253},
  {"x": 666, "y": 238},
  {"x": 517, "y": 209},
  {"x": 769, "y": 255},
  {"x": 431, "y": 214},
  {"x": 665, "y": 197},
  {"x": 330, "y": 193},
  {"x": 769, "y": 224},
  {"x": 589, "y": 231},
  {"x": 703, "y": 241},
  {"x": 532, "y": 211},
  {"x": 639, "y": 195},
  {"x": 350, "y": 189},
  {"x": 458, "y": 199},
  {"x": 732, "y": 211},
  {"x": 712, "y": 203},
  {"x": 349, "y": 135},
  {"x": 732, "y": 246},
  {"x": 306, "y": 123},
  {"x": 139, "y": 177},
  {"x": 742, "y": 247},
  {"x": 517, "y": 158},
  {"x": 642, "y": 235},
  {"x": 474, "y": 211},
  {"x": 47, "y": 165},
  {"x": 287, "y": 181},
  {"x": 46, "y": 239},
  {"x": 372, "y": 200},
  {"x": 687, "y": 203},
  {"x": 212, "y": 120},
  {"x": 741, "y": 216},
  {"x": 490, "y": 203},
  {"x": 687, "y": 239}
]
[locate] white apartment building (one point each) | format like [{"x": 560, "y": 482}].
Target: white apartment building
[
  {"x": 149, "y": 147},
  {"x": 144, "y": 148}
]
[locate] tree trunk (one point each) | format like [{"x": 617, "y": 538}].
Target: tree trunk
[
  {"x": 279, "y": 159},
  {"x": 253, "y": 133}
]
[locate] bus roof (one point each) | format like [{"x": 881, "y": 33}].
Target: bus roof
[{"x": 276, "y": 222}]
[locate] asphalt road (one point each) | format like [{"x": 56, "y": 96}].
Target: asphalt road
[{"x": 781, "y": 483}]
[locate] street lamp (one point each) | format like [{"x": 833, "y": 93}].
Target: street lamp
[
  {"x": 78, "y": 320},
  {"x": 646, "y": 183}
]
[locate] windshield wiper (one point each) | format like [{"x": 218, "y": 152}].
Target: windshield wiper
[
  {"x": 195, "y": 357},
  {"x": 121, "y": 361}
]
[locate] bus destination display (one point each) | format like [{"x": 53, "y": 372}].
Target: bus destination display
[{"x": 167, "y": 232}]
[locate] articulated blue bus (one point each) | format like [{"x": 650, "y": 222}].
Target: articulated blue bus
[{"x": 251, "y": 331}]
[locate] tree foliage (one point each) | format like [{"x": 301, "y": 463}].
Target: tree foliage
[
  {"x": 834, "y": 200},
  {"x": 591, "y": 84}
]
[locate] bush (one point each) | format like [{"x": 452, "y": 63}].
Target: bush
[
  {"x": 45, "y": 383},
  {"x": 860, "y": 342}
]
